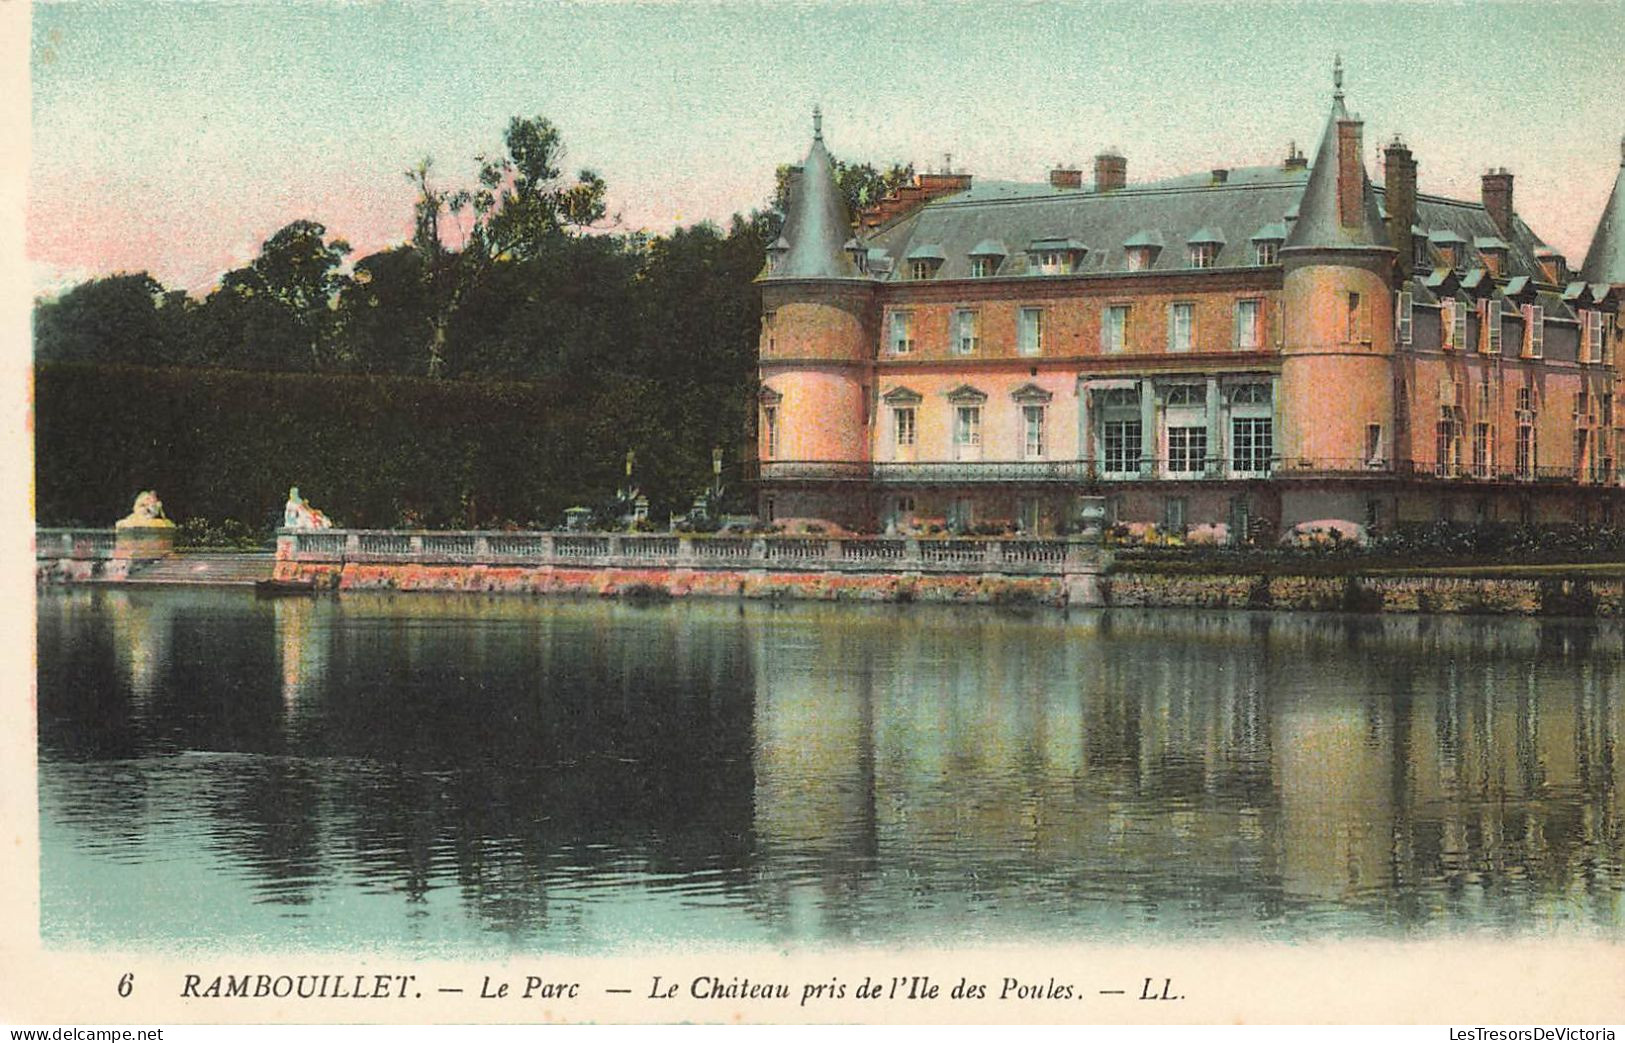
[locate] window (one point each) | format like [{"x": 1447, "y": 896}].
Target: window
[
  {"x": 1373, "y": 443},
  {"x": 1246, "y": 325},
  {"x": 1403, "y": 315},
  {"x": 1489, "y": 340},
  {"x": 1484, "y": 396},
  {"x": 902, "y": 332},
  {"x": 770, "y": 422},
  {"x": 1267, "y": 251},
  {"x": 1534, "y": 331},
  {"x": 1114, "y": 329},
  {"x": 1580, "y": 438},
  {"x": 1173, "y": 514},
  {"x": 1582, "y": 403},
  {"x": 1122, "y": 447},
  {"x": 1032, "y": 423},
  {"x": 1458, "y": 320},
  {"x": 961, "y": 513},
  {"x": 1355, "y": 328},
  {"x": 1481, "y": 450},
  {"x": 1250, "y": 394},
  {"x": 1446, "y": 449},
  {"x": 1180, "y": 318},
  {"x": 1030, "y": 331},
  {"x": 1524, "y": 461},
  {"x": 1251, "y": 444},
  {"x": 1139, "y": 258},
  {"x": 1421, "y": 257},
  {"x": 921, "y": 269},
  {"x": 905, "y": 505},
  {"x": 1185, "y": 395},
  {"x": 1607, "y": 410},
  {"x": 768, "y": 318},
  {"x": 767, "y": 508},
  {"x": 1204, "y": 255},
  {"x": 1592, "y": 323},
  {"x": 1447, "y": 326},
  {"x": 903, "y": 425},
  {"x": 967, "y": 331},
  {"x": 983, "y": 267},
  {"x": 1526, "y": 399},
  {"x": 968, "y": 425},
  {"x": 1187, "y": 450},
  {"x": 1052, "y": 262}
]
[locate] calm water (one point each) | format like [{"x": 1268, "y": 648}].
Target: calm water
[{"x": 471, "y": 775}]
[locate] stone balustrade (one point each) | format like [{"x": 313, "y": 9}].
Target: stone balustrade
[
  {"x": 74, "y": 544},
  {"x": 893, "y": 554}
]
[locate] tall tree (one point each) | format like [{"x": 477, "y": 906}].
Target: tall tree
[
  {"x": 299, "y": 268},
  {"x": 522, "y": 205}
]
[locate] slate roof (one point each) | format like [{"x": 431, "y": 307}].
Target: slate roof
[
  {"x": 818, "y": 225},
  {"x": 1319, "y": 224},
  {"x": 1173, "y": 211},
  {"x": 1605, "y": 261}
]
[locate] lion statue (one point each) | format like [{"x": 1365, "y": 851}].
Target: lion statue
[{"x": 147, "y": 512}]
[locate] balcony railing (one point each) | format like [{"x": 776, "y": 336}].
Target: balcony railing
[{"x": 885, "y": 554}]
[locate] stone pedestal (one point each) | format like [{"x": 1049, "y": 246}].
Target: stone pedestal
[{"x": 155, "y": 539}]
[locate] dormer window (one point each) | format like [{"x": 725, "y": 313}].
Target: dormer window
[
  {"x": 986, "y": 257},
  {"x": 1452, "y": 248},
  {"x": 1204, "y": 248},
  {"x": 1054, "y": 256},
  {"x": 1141, "y": 249},
  {"x": 924, "y": 260},
  {"x": 1267, "y": 244},
  {"x": 859, "y": 254},
  {"x": 1421, "y": 254},
  {"x": 776, "y": 254},
  {"x": 1494, "y": 252}
]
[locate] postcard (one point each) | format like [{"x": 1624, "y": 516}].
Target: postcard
[{"x": 825, "y": 513}]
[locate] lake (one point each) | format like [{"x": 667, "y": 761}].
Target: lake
[{"x": 475, "y": 775}]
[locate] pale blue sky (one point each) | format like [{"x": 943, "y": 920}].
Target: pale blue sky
[{"x": 177, "y": 136}]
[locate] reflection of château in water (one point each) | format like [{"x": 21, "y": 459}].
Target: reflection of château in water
[{"x": 836, "y": 771}]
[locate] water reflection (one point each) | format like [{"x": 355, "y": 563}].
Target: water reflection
[{"x": 453, "y": 774}]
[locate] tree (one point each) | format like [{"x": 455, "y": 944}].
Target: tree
[
  {"x": 114, "y": 319},
  {"x": 860, "y": 184},
  {"x": 522, "y": 207},
  {"x": 299, "y": 268}
]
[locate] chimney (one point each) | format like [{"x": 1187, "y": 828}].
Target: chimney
[
  {"x": 1111, "y": 171},
  {"x": 1350, "y": 173},
  {"x": 1220, "y": 175},
  {"x": 1066, "y": 177},
  {"x": 1399, "y": 184},
  {"x": 1497, "y": 194},
  {"x": 1295, "y": 159}
]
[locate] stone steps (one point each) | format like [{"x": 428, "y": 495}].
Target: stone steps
[{"x": 234, "y": 569}]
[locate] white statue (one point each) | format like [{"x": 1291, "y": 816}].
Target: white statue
[{"x": 298, "y": 514}]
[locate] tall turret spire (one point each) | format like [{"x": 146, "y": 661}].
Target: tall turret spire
[
  {"x": 1338, "y": 208},
  {"x": 817, "y": 224},
  {"x": 1605, "y": 261}
]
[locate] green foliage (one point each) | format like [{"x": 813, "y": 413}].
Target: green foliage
[{"x": 228, "y": 534}]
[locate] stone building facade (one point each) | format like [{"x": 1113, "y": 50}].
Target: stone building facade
[{"x": 1243, "y": 350}]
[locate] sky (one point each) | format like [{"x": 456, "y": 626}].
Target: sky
[{"x": 176, "y": 137}]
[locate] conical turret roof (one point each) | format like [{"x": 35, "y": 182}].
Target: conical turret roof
[
  {"x": 818, "y": 225},
  {"x": 1605, "y": 261},
  {"x": 1320, "y": 224}
]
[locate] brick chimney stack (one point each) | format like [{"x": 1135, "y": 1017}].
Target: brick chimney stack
[
  {"x": 1496, "y": 189},
  {"x": 1399, "y": 183},
  {"x": 1350, "y": 173},
  {"x": 1066, "y": 177},
  {"x": 1111, "y": 171}
]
